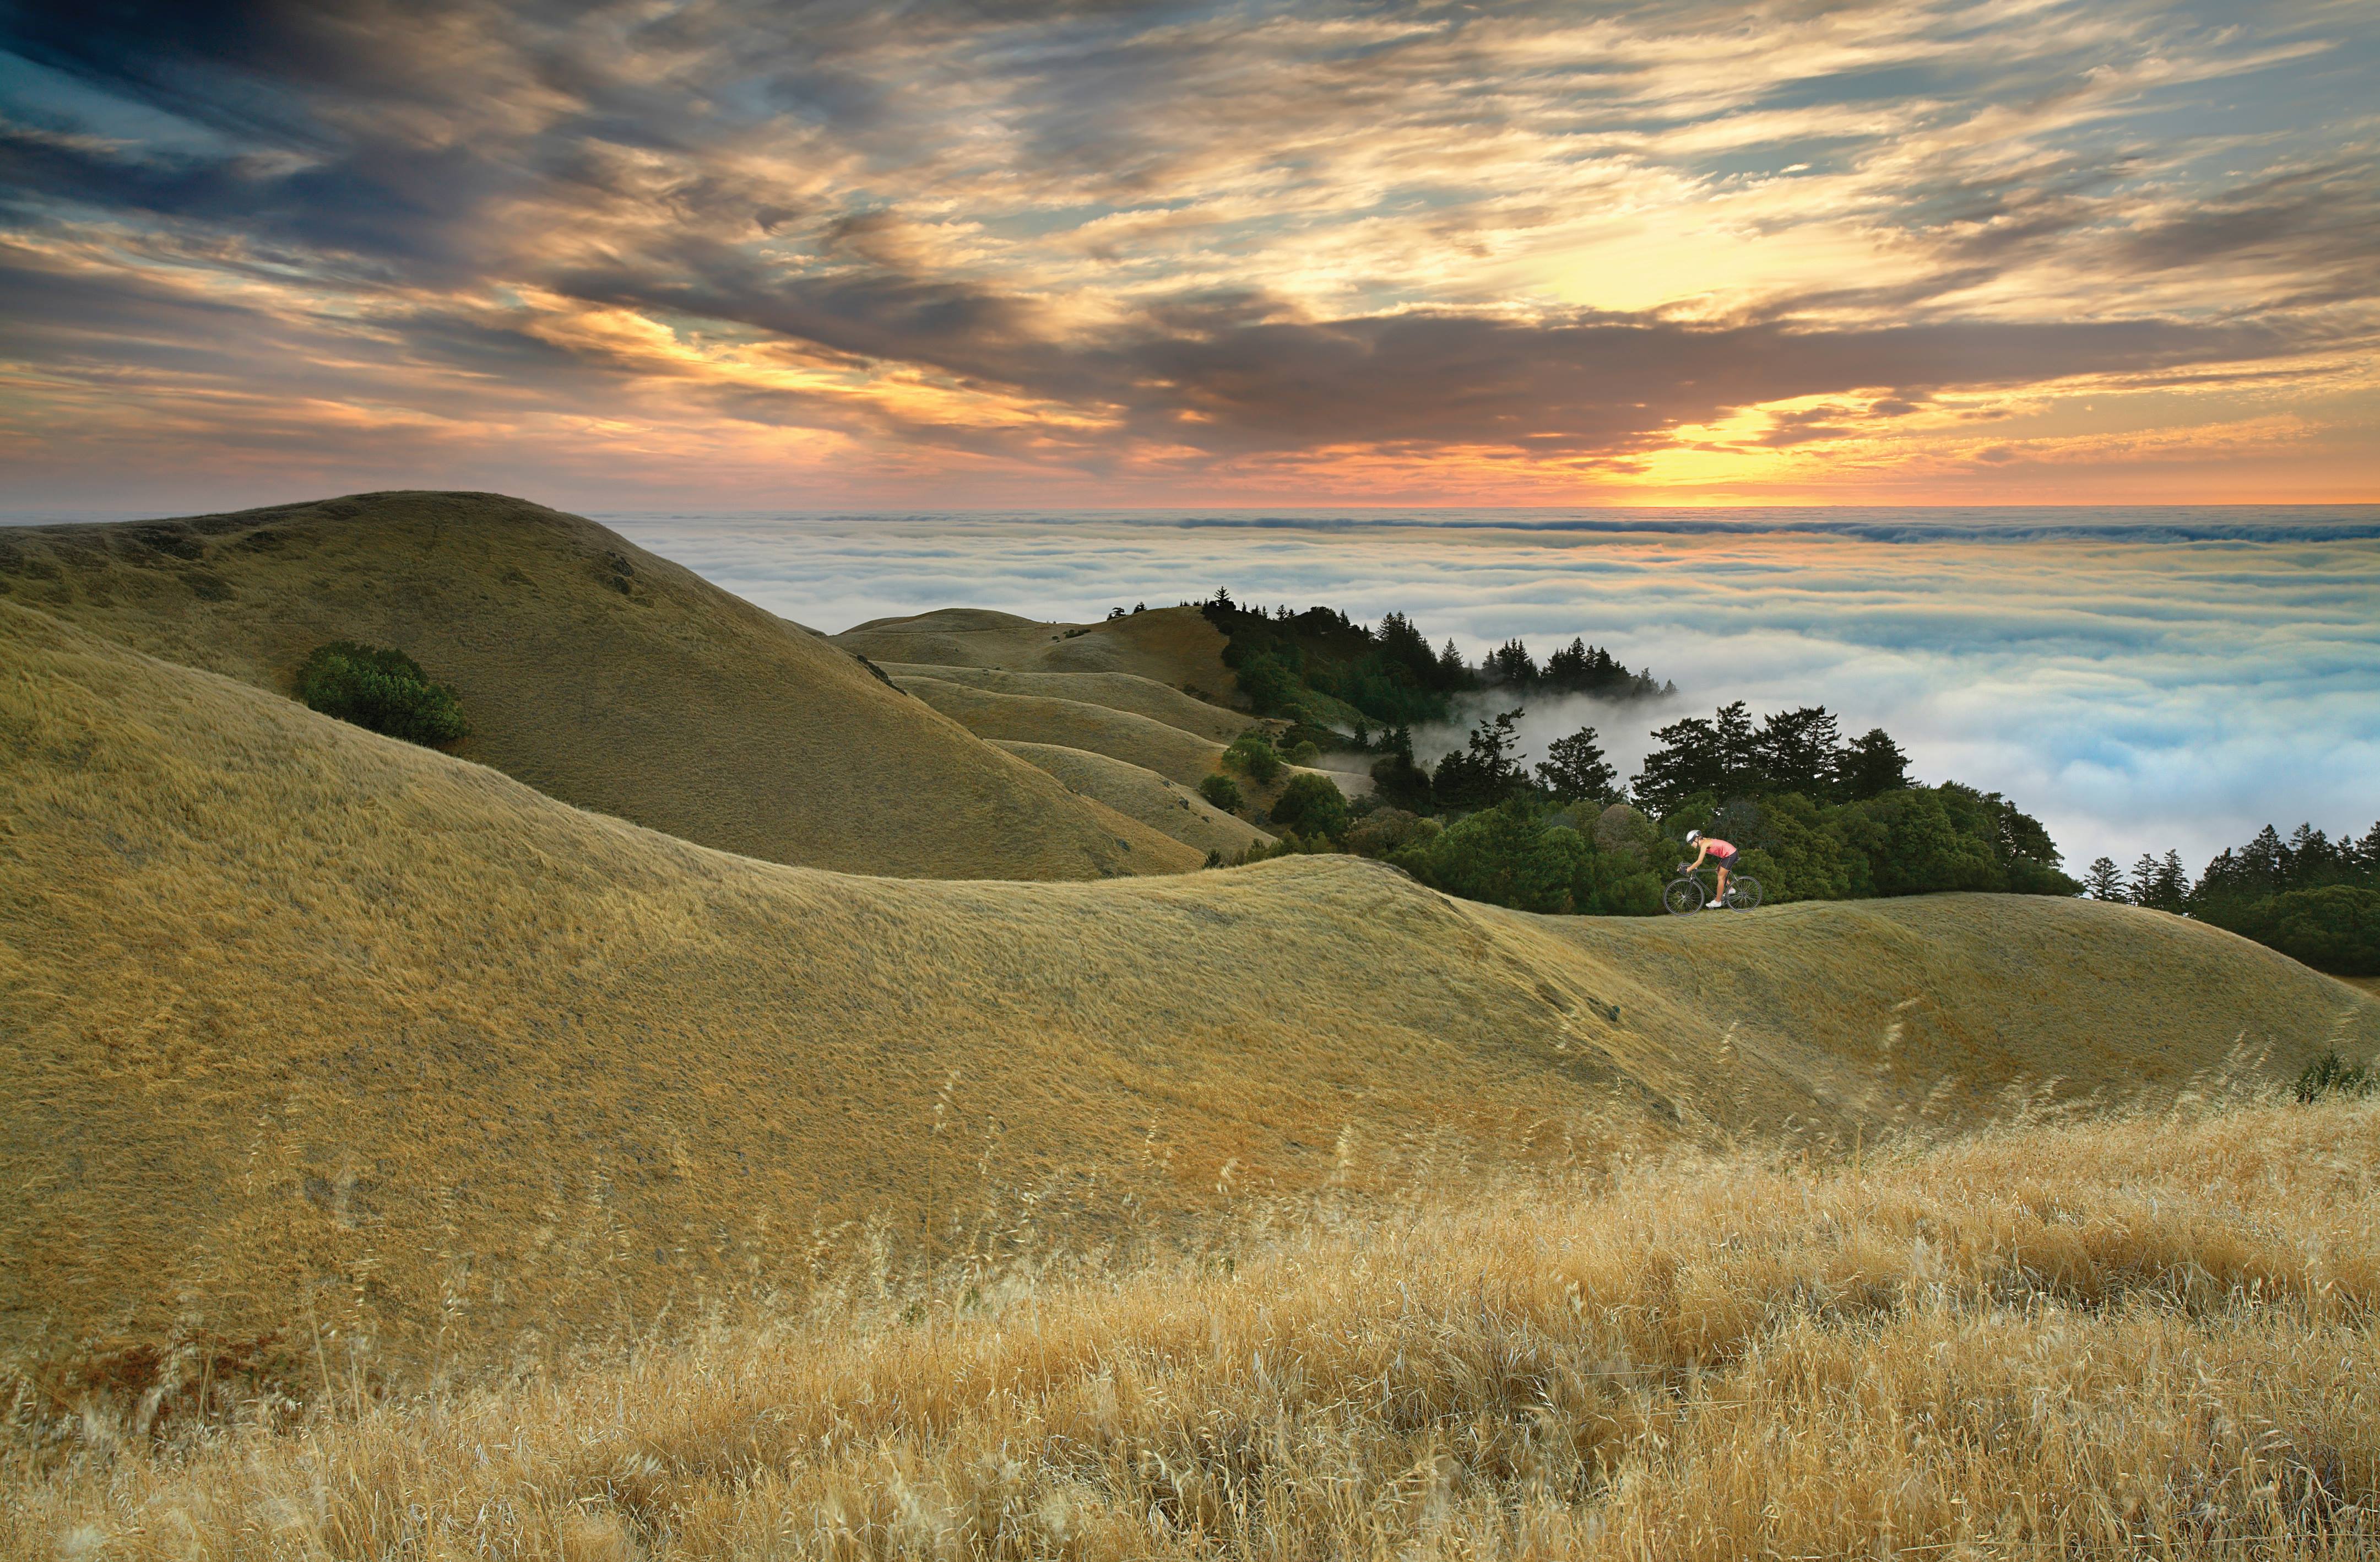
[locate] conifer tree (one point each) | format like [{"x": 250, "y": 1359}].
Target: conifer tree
[{"x": 2104, "y": 881}]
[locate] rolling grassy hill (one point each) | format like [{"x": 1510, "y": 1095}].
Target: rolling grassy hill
[
  {"x": 1179, "y": 756},
  {"x": 337, "y": 1055},
  {"x": 593, "y": 671},
  {"x": 1117, "y": 691},
  {"x": 1175, "y": 646},
  {"x": 1162, "y": 805}
]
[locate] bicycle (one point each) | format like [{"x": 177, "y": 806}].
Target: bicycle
[{"x": 1686, "y": 894}]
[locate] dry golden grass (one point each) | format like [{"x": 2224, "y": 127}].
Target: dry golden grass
[
  {"x": 1117, "y": 691},
  {"x": 329, "y": 1051},
  {"x": 1180, "y": 757},
  {"x": 2150, "y": 1338},
  {"x": 1162, "y": 805},
  {"x": 595, "y": 672},
  {"x": 1175, "y": 646}
]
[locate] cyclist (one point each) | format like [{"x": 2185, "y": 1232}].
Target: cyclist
[{"x": 1718, "y": 851}]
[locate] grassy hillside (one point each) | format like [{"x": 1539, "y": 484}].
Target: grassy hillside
[
  {"x": 1175, "y": 646},
  {"x": 1162, "y": 805},
  {"x": 1117, "y": 691},
  {"x": 593, "y": 671},
  {"x": 2138, "y": 1339},
  {"x": 1180, "y": 757},
  {"x": 319, "y": 1035}
]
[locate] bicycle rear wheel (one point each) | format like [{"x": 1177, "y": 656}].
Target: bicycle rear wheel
[
  {"x": 1743, "y": 892},
  {"x": 1683, "y": 896}
]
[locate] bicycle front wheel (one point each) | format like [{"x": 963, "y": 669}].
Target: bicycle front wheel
[
  {"x": 1683, "y": 896},
  {"x": 1743, "y": 894}
]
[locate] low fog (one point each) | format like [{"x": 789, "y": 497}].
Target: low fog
[{"x": 2138, "y": 679}]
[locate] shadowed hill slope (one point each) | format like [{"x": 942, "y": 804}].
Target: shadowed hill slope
[
  {"x": 1117, "y": 691},
  {"x": 1180, "y": 757},
  {"x": 1175, "y": 646},
  {"x": 595, "y": 672},
  {"x": 1164, "y": 805},
  {"x": 313, "y": 1029}
]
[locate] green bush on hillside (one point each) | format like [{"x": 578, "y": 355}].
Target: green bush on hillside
[
  {"x": 1384, "y": 831},
  {"x": 1252, "y": 755},
  {"x": 1313, "y": 807},
  {"x": 382, "y": 690},
  {"x": 1222, "y": 791},
  {"x": 2331, "y": 1075}
]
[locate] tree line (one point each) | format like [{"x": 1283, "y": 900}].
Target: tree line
[
  {"x": 2313, "y": 899},
  {"x": 1327, "y": 672},
  {"x": 1816, "y": 816}
]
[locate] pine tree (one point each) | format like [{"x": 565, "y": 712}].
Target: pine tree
[
  {"x": 1799, "y": 752},
  {"x": 2104, "y": 881},
  {"x": 1871, "y": 766},
  {"x": 1575, "y": 769},
  {"x": 2160, "y": 882}
]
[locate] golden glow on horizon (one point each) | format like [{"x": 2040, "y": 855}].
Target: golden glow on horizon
[{"x": 1402, "y": 258}]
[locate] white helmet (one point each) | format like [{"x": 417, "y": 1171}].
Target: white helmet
[{"x": 1693, "y": 836}]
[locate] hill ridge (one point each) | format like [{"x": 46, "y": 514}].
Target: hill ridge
[{"x": 593, "y": 670}]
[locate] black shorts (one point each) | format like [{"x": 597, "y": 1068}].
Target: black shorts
[{"x": 1727, "y": 862}]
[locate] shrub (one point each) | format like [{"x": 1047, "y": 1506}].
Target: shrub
[
  {"x": 1222, "y": 791},
  {"x": 1383, "y": 830},
  {"x": 1304, "y": 753},
  {"x": 1313, "y": 806},
  {"x": 1252, "y": 755},
  {"x": 382, "y": 690},
  {"x": 2328, "y": 1075},
  {"x": 1625, "y": 830},
  {"x": 1400, "y": 782}
]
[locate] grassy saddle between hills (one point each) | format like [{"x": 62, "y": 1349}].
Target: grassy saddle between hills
[
  {"x": 329, "y": 1051},
  {"x": 1173, "y": 646},
  {"x": 1162, "y": 805}
]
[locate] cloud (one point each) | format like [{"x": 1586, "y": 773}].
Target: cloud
[{"x": 1296, "y": 246}]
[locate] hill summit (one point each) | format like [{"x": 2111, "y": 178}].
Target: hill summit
[{"x": 593, "y": 671}]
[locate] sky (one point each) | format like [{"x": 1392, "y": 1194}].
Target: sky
[
  {"x": 2139, "y": 680},
  {"x": 746, "y": 253}
]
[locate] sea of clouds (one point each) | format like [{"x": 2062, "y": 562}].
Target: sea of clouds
[{"x": 2139, "y": 678}]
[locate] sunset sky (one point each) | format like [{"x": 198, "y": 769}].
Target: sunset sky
[{"x": 743, "y": 253}]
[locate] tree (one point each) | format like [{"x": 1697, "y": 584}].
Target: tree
[
  {"x": 1871, "y": 765},
  {"x": 1511, "y": 664},
  {"x": 1575, "y": 769},
  {"x": 1739, "y": 753},
  {"x": 1313, "y": 806},
  {"x": 1452, "y": 671},
  {"x": 1221, "y": 791},
  {"x": 2336, "y": 928},
  {"x": 1397, "y": 779},
  {"x": 1267, "y": 682},
  {"x": 1799, "y": 750},
  {"x": 2103, "y": 880},
  {"x": 1507, "y": 856},
  {"x": 2160, "y": 884},
  {"x": 1482, "y": 773},
  {"x": 1685, "y": 761}
]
